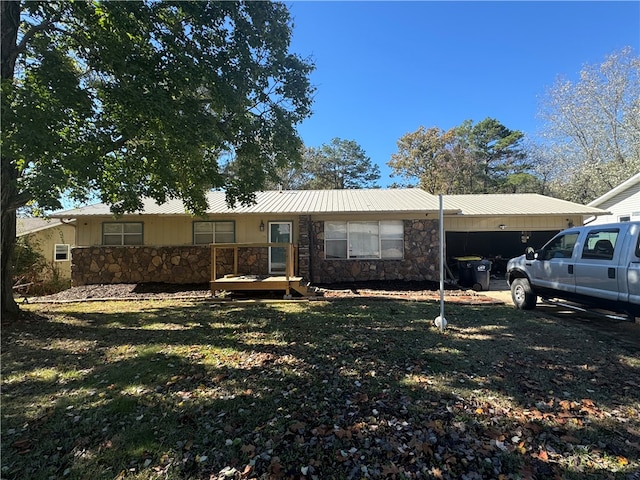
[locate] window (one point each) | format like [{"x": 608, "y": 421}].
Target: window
[
  {"x": 560, "y": 247},
  {"x": 384, "y": 239},
  {"x": 600, "y": 244},
  {"x": 392, "y": 239},
  {"x": 624, "y": 218},
  {"x": 364, "y": 240},
  {"x": 61, "y": 252},
  {"x": 213, "y": 232},
  {"x": 335, "y": 243},
  {"x": 122, "y": 233}
]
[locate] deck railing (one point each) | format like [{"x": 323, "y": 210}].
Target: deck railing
[{"x": 289, "y": 249}]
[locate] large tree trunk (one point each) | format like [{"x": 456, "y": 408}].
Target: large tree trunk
[
  {"x": 9, "y": 22},
  {"x": 9, "y": 306}
]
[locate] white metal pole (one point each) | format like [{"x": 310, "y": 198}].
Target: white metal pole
[{"x": 441, "y": 222}]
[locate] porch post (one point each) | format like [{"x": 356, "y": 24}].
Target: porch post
[{"x": 213, "y": 261}]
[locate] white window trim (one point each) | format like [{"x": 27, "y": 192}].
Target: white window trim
[
  {"x": 380, "y": 240},
  {"x": 67, "y": 253}
]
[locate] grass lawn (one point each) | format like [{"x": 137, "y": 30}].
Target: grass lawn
[{"x": 353, "y": 388}]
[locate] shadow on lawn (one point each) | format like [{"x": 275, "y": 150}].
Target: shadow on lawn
[{"x": 331, "y": 387}]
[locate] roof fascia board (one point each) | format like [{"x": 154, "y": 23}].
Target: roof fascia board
[
  {"x": 39, "y": 229},
  {"x": 594, "y": 212}
]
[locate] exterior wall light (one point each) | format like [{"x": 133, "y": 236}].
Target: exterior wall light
[
  {"x": 261, "y": 226},
  {"x": 502, "y": 226}
]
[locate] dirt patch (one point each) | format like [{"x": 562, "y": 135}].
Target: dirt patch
[{"x": 416, "y": 291}]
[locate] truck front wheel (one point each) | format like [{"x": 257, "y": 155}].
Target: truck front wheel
[{"x": 522, "y": 294}]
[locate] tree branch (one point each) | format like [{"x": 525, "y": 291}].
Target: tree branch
[{"x": 29, "y": 34}]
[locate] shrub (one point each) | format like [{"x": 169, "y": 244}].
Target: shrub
[{"x": 32, "y": 273}]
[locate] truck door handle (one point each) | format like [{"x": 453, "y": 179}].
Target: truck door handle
[
  {"x": 571, "y": 269},
  {"x": 611, "y": 272}
]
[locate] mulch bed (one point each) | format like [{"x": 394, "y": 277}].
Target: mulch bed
[{"x": 415, "y": 291}]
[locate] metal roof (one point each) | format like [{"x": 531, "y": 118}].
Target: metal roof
[
  {"x": 28, "y": 225},
  {"x": 516, "y": 204},
  {"x": 412, "y": 200}
]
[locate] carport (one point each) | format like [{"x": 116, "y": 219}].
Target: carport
[
  {"x": 498, "y": 227},
  {"x": 497, "y": 246}
]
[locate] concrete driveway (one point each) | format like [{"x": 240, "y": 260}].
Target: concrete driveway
[{"x": 499, "y": 290}]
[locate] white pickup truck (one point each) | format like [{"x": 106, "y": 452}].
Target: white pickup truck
[{"x": 597, "y": 266}]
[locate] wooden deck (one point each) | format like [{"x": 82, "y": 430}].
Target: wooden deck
[
  {"x": 244, "y": 283},
  {"x": 286, "y": 281}
]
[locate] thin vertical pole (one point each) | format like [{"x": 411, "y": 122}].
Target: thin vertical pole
[
  {"x": 441, "y": 222},
  {"x": 235, "y": 261},
  {"x": 214, "y": 251}
]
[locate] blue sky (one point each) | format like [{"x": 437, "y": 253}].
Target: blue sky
[{"x": 383, "y": 69}]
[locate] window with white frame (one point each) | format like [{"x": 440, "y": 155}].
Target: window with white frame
[
  {"x": 213, "y": 232},
  {"x": 122, "y": 233},
  {"x": 354, "y": 240},
  {"x": 61, "y": 252},
  {"x": 335, "y": 239},
  {"x": 392, "y": 240}
]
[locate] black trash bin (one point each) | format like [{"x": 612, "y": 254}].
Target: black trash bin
[
  {"x": 474, "y": 272},
  {"x": 482, "y": 274}
]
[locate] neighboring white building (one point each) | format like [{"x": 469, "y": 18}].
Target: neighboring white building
[{"x": 622, "y": 201}]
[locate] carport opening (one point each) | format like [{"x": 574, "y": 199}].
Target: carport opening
[{"x": 497, "y": 247}]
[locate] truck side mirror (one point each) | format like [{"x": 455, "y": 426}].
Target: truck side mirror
[{"x": 530, "y": 253}]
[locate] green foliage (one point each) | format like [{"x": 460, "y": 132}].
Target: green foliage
[
  {"x": 496, "y": 151},
  {"x": 522, "y": 183},
  {"x": 124, "y": 100},
  {"x": 485, "y": 157},
  {"x": 341, "y": 164},
  {"x": 435, "y": 159},
  {"x": 28, "y": 262},
  {"x": 33, "y": 272},
  {"x": 147, "y": 98}
]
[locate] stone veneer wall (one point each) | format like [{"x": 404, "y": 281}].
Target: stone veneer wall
[
  {"x": 421, "y": 243},
  {"x": 251, "y": 261},
  {"x": 304, "y": 246},
  {"x": 170, "y": 264},
  {"x": 192, "y": 263}
]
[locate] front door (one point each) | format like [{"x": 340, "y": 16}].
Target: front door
[{"x": 279, "y": 232}]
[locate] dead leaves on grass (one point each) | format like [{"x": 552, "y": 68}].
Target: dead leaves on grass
[
  {"x": 358, "y": 407},
  {"x": 434, "y": 439},
  {"x": 347, "y": 428}
]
